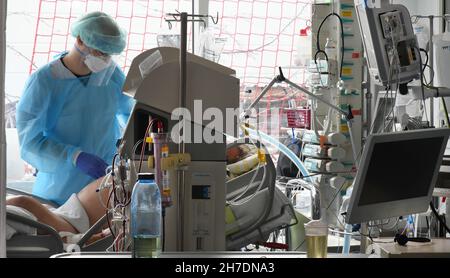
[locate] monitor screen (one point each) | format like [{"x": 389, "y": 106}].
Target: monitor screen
[
  {"x": 400, "y": 170},
  {"x": 396, "y": 175}
]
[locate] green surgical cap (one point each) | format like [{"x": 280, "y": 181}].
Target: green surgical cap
[{"x": 100, "y": 32}]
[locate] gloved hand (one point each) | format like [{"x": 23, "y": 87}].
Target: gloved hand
[{"x": 91, "y": 165}]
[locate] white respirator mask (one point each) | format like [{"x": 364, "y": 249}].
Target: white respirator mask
[{"x": 95, "y": 63}]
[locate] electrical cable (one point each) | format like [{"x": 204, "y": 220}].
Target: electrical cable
[
  {"x": 439, "y": 217},
  {"x": 320, "y": 51},
  {"x": 422, "y": 85},
  {"x": 427, "y": 58},
  {"x": 428, "y": 84},
  {"x": 425, "y": 66},
  {"x": 389, "y": 93},
  {"x": 386, "y": 97},
  {"x": 335, "y": 196}
]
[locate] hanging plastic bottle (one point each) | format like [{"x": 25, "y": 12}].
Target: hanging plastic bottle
[
  {"x": 304, "y": 48},
  {"x": 442, "y": 58},
  {"x": 423, "y": 35},
  {"x": 332, "y": 54},
  {"x": 146, "y": 218}
]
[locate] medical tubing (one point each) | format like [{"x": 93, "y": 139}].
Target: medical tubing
[
  {"x": 315, "y": 121},
  {"x": 149, "y": 127},
  {"x": 113, "y": 175},
  {"x": 271, "y": 188},
  {"x": 329, "y": 122},
  {"x": 347, "y": 239},
  {"x": 238, "y": 202},
  {"x": 255, "y": 174},
  {"x": 264, "y": 137},
  {"x": 248, "y": 198},
  {"x": 438, "y": 217},
  {"x": 319, "y": 50},
  {"x": 263, "y": 218},
  {"x": 285, "y": 150},
  {"x": 247, "y": 187},
  {"x": 99, "y": 190}
]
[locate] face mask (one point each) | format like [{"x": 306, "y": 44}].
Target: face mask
[{"x": 95, "y": 63}]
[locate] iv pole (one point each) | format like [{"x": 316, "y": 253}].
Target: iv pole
[
  {"x": 2, "y": 131},
  {"x": 183, "y": 18}
]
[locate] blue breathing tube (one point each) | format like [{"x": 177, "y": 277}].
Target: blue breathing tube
[{"x": 285, "y": 150}]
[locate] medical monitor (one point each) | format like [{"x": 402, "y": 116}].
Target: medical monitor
[
  {"x": 397, "y": 174},
  {"x": 389, "y": 41}
]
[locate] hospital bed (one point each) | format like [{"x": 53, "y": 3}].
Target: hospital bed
[
  {"x": 27, "y": 244},
  {"x": 252, "y": 221},
  {"x": 269, "y": 210}
]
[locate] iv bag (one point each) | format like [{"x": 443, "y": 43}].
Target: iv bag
[
  {"x": 422, "y": 33},
  {"x": 442, "y": 58}
]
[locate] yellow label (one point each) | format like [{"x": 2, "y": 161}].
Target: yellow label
[
  {"x": 347, "y": 13},
  {"x": 347, "y": 71},
  {"x": 344, "y": 128},
  {"x": 165, "y": 149}
]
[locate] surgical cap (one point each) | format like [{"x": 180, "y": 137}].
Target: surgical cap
[{"x": 100, "y": 32}]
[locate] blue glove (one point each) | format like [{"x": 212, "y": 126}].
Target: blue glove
[{"x": 91, "y": 165}]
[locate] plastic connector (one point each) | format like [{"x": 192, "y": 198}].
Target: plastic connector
[{"x": 261, "y": 156}]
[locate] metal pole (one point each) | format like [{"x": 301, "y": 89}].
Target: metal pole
[
  {"x": 261, "y": 95},
  {"x": 182, "y": 146},
  {"x": 352, "y": 142},
  {"x": 334, "y": 107},
  {"x": 364, "y": 238},
  {"x": 432, "y": 66},
  {"x": 368, "y": 88},
  {"x": 193, "y": 27},
  {"x": 3, "y": 5}
]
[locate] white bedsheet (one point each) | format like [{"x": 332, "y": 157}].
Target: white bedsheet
[
  {"x": 72, "y": 211},
  {"x": 13, "y": 227}
]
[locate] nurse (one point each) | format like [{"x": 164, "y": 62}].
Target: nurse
[{"x": 72, "y": 111}]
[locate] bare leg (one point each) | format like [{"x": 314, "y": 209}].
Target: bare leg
[
  {"x": 90, "y": 199},
  {"x": 42, "y": 213}
]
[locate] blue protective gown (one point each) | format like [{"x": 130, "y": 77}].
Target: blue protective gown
[{"x": 60, "y": 114}]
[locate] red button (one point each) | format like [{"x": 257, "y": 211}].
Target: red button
[{"x": 356, "y": 55}]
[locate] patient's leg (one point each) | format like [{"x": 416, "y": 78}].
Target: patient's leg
[
  {"x": 90, "y": 199},
  {"x": 42, "y": 213}
]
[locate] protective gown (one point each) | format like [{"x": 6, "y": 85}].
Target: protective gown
[{"x": 60, "y": 114}]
